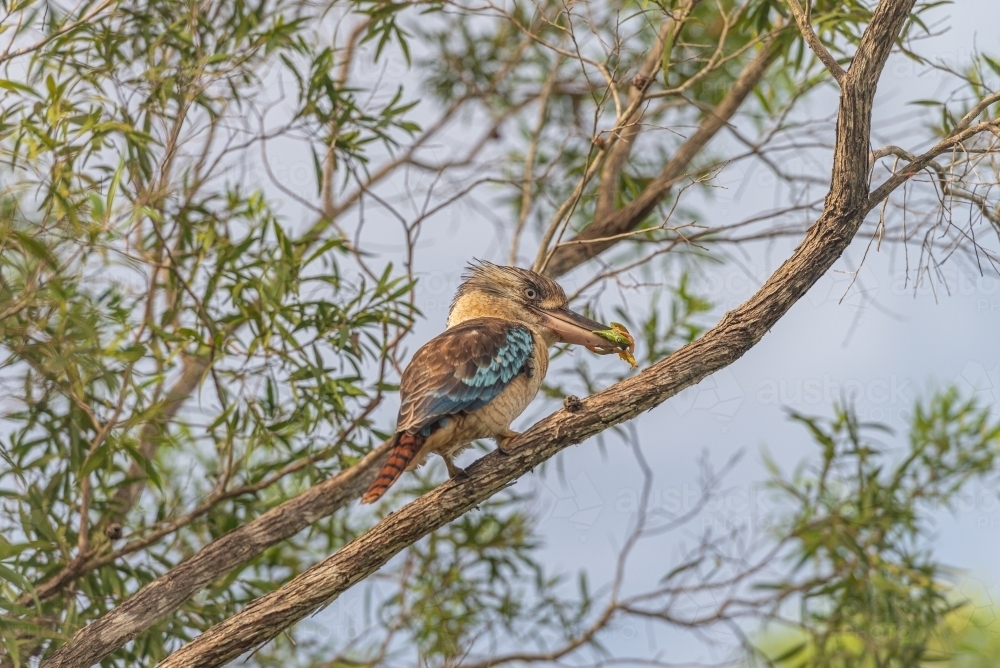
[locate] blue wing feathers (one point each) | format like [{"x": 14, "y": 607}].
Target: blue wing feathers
[
  {"x": 461, "y": 370},
  {"x": 488, "y": 381}
]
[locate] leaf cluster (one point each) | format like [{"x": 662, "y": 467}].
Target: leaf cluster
[{"x": 871, "y": 592}]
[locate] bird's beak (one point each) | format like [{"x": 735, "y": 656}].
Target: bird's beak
[{"x": 572, "y": 327}]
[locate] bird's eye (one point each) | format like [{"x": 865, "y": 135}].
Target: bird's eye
[{"x": 531, "y": 293}]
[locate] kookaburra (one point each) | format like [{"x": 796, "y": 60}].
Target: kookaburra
[{"x": 472, "y": 380}]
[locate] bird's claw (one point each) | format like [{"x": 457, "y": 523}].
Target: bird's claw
[
  {"x": 455, "y": 471},
  {"x": 503, "y": 441}
]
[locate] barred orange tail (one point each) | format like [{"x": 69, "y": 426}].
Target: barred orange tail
[{"x": 406, "y": 448}]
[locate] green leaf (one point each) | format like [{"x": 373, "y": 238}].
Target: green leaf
[{"x": 17, "y": 86}]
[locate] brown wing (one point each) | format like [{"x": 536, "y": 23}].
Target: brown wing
[{"x": 460, "y": 370}]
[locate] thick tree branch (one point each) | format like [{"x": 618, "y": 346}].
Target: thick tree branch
[
  {"x": 165, "y": 594},
  {"x": 846, "y": 206},
  {"x": 567, "y": 256}
]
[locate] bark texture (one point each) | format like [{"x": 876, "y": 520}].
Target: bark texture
[
  {"x": 165, "y": 594},
  {"x": 845, "y": 208}
]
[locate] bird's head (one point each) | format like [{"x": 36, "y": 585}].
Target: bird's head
[{"x": 520, "y": 295}]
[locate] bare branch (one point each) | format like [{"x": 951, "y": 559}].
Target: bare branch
[
  {"x": 529, "y": 162},
  {"x": 619, "y": 154},
  {"x": 920, "y": 162},
  {"x": 566, "y": 257},
  {"x": 812, "y": 40}
]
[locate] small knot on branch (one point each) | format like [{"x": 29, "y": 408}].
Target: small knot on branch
[
  {"x": 641, "y": 81},
  {"x": 113, "y": 531}
]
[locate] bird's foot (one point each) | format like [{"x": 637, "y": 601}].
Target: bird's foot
[
  {"x": 504, "y": 439},
  {"x": 455, "y": 471}
]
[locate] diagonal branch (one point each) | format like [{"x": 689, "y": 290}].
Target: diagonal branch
[
  {"x": 812, "y": 40},
  {"x": 162, "y": 596},
  {"x": 569, "y": 255},
  {"x": 845, "y": 209},
  {"x": 622, "y": 149}
]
